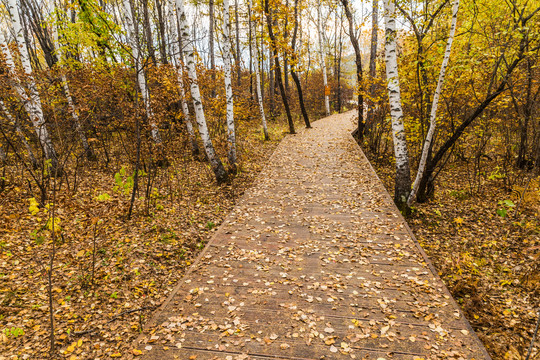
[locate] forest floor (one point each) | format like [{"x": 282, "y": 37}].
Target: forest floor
[
  {"x": 109, "y": 273},
  {"x": 487, "y": 254}
]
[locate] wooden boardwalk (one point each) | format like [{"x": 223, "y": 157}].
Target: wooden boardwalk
[{"x": 315, "y": 262}]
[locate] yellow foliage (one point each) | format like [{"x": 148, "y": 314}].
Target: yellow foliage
[{"x": 34, "y": 206}]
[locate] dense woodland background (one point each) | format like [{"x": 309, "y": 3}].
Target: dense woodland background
[{"x": 128, "y": 128}]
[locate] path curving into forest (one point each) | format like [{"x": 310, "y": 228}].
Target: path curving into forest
[{"x": 315, "y": 262}]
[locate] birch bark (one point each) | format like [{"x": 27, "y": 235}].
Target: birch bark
[
  {"x": 215, "y": 162},
  {"x": 71, "y": 105},
  {"x": 433, "y": 115},
  {"x": 19, "y": 132},
  {"x": 255, "y": 59},
  {"x": 323, "y": 60},
  {"x": 141, "y": 75},
  {"x": 178, "y": 62},
  {"x": 403, "y": 173},
  {"x": 32, "y": 101},
  {"x": 227, "y": 62}
]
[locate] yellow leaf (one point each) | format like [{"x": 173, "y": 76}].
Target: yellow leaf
[
  {"x": 34, "y": 206},
  {"x": 458, "y": 220},
  {"x": 116, "y": 355},
  {"x": 79, "y": 343},
  {"x": 80, "y": 253},
  {"x": 136, "y": 352}
]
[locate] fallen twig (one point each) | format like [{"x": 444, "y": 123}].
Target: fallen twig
[
  {"x": 116, "y": 317},
  {"x": 534, "y": 336}
]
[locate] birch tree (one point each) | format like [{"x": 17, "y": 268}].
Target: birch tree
[
  {"x": 403, "y": 173},
  {"x": 178, "y": 61},
  {"x": 227, "y": 62},
  {"x": 20, "y": 133},
  {"x": 294, "y": 63},
  {"x": 254, "y": 58},
  {"x": 71, "y": 105},
  {"x": 211, "y": 23},
  {"x": 133, "y": 40},
  {"x": 31, "y": 99},
  {"x": 189, "y": 52},
  {"x": 323, "y": 60},
  {"x": 433, "y": 114}
]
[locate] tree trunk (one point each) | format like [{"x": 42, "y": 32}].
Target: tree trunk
[
  {"x": 433, "y": 115},
  {"x": 255, "y": 58},
  {"x": 211, "y": 20},
  {"x": 227, "y": 61},
  {"x": 32, "y": 102},
  {"x": 373, "y": 65},
  {"x": 426, "y": 182},
  {"x": 178, "y": 62},
  {"x": 403, "y": 173},
  {"x": 293, "y": 68},
  {"x": 141, "y": 75},
  {"x": 71, "y": 105},
  {"x": 521, "y": 161},
  {"x": 273, "y": 46},
  {"x": 338, "y": 66},
  {"x": 238, "y": 55},
  {"x": 163, "y": 37},
  {"x": 285, "y": 55},
  {"x": 374, "y": 36},
  {"x": 323, "y": 61},
  {"x": 189, "y": 51},
  {"x": 359, "y": 78},
  {"x": 147, "y": 31},
  {"x": 271, "y": 82},
  {"x": 19, "y": 132}
]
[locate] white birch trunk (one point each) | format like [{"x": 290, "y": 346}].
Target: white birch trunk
[
  {"x": 71, "y": 105},
  {"x": 177, "y": 60},
  {"x": 433, "y": 114},
  {"x": 323, "y": 60},
  {"x": 32, "y": 101},
  {"x": 189, "y": 51},
  {"x": 227, "y": 62},
  {"x": 133, "y": 41},
  {"x": 255, "y": 59},
  {"x": 403, "y": 176},
  {"x": 19, "y": 132}
]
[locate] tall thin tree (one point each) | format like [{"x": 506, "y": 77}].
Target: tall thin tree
[
  {"x": 178, "y": 61},
  {"x": 277, "y": 68},
  {"x": 189, "y": 52},
  {"x": 323, "y": 60},
  {"x": 359, "y": 78},
  {"x": 32, "y": 101},
  {"x": 71, "y": 104},
  {"x": 294, "y": 64},
  {"x": 403, "y": 172},
  {"x": 134, "y": 43},
  {"x": 227, "y": 61},
  {"x": 433, "y": 115},
  {"x": 255, "y": 58}
]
